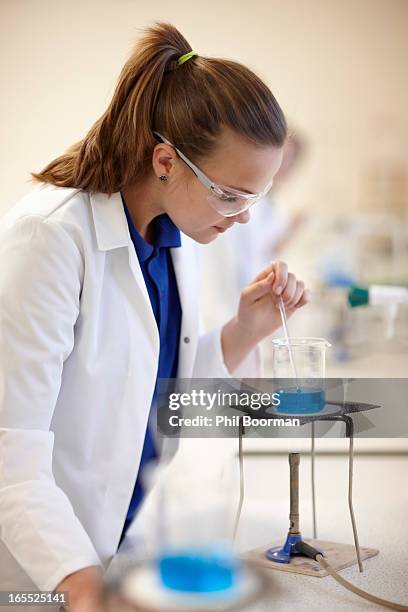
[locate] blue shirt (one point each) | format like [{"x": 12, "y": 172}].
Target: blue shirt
[{"x": 158, "y": 273}]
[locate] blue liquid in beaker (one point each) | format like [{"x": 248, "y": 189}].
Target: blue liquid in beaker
[
  {"x": 301, "y": 400},
  {"x": 198, "y": 570}
]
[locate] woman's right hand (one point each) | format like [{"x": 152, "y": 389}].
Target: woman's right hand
[
  {"x": 85, "y": 589},
  {"x": 87, "y": 593}
]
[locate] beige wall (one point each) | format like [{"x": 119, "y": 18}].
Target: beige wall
[{"x": 338, "y": 68}]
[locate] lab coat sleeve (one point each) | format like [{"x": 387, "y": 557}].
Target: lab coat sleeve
[
  {"x": 209, "y": 362},
  {"x": 41, "y": 270}
]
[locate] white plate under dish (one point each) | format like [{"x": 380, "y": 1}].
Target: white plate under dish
[{"x": 142, "y": 587}]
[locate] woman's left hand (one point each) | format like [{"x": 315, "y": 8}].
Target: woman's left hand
[{"x": 258, "y": 311}]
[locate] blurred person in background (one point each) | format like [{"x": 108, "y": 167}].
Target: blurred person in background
[{"x": 247, "y": 248}]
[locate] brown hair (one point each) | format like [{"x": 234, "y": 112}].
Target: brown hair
[{"x": 189, "y": 104}]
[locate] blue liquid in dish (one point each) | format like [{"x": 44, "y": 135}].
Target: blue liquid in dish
[
  {"x": 301, "y": 400},
  {"x": 198, "y": 570}
]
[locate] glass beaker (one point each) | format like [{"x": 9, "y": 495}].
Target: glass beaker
[
  {"x": 193, "y": 540},
  {"x": 302, "y": 363}
]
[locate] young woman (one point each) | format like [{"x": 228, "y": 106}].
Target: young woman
[{"x": 98, "y": 291}]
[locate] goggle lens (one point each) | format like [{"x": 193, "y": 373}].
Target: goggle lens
[{"x": 229, "y": 203}]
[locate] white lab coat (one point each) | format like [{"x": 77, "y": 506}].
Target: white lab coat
[{"x": 78, "y": 360}]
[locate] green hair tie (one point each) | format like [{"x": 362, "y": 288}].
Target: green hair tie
[{"x": 186, "y": 57}]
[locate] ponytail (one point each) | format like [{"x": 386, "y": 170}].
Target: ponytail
[{"x": 189, "y": 103}]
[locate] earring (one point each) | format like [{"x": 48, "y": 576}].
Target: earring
[{"x": 163, "y": 177}]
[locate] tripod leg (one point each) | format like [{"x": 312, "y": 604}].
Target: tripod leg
[
  {"x": 312, "y": 466},
  {"x": 241, "y": 480},
  {"x": 350, "y": 434},
  {"x": 350, "y": 497}
]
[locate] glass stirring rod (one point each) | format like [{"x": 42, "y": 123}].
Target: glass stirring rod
[{"x": 287, "y": 338}]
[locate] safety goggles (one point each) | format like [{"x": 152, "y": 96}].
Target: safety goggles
[{"x": 227, "y": 201}]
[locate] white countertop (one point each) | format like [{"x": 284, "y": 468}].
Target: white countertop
[{"x": 381, "y": 508}]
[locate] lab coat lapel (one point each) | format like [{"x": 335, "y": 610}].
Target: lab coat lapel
[
  {"x": 185, "y": 268},
  {"x": 112, "y": 232}
]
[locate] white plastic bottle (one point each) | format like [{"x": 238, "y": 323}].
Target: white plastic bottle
[{"x": 388, "y": 295}]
